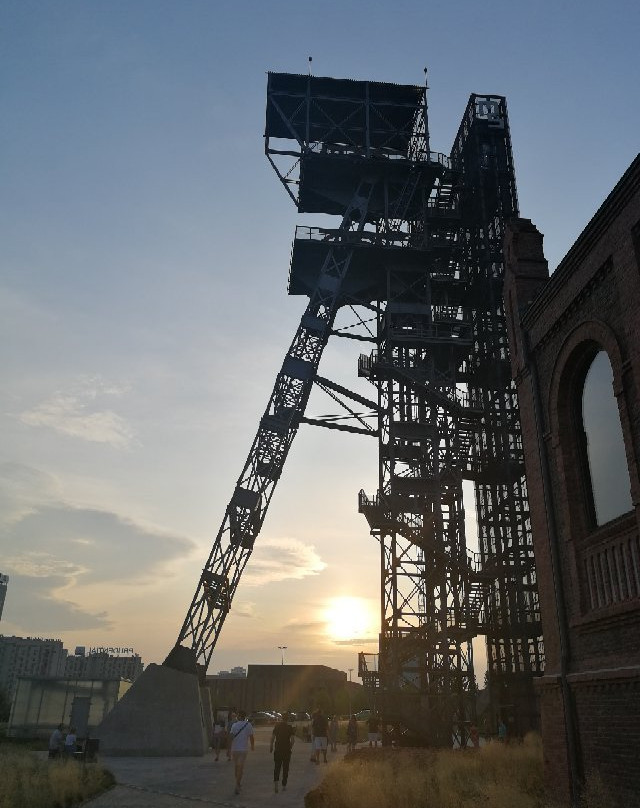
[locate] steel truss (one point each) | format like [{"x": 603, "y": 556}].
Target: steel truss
[
  {"x": 255, "y": 486},
  {"x": 419, "y": 247},
  {"x": 513, "y": 628}
]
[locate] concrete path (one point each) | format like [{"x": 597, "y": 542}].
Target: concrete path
[{"x": 189, "y": 782}]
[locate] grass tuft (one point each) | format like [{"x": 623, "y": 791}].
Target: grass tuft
[
  {"x": 495, "y": 776},
  {"x": 27, "y": 781},
  {"x": 595, "y": 794}
]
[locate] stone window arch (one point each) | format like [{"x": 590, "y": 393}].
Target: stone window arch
[
  {"x": 601, "y": 546},
  {"x": 571, "y": 444},
  {"x": 603, "y": 443}
]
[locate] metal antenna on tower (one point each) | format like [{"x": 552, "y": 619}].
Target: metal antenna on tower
[{"x": 426, "y": 111}]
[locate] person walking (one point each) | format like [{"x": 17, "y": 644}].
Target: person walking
[
  {"x": 218, "y": 738},
  {"x": 241, "y": 738},
  {"x": 231, "y": 719},
  {"x": 312, "y": 759},
  {"x": 282, "y": 739},
  {"x": 374, "y": 729},
  {"x": 320, "y": 729},
  {"x": 333, "y": 733}
]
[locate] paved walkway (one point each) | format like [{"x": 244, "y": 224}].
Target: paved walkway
[{"x": 189, "y": 782}]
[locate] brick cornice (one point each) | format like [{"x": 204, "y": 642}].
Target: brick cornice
[
  {"x": 576, "y": 304},
  {"x": 629, "y": 673},
  {"x": 628, "y": 185}
]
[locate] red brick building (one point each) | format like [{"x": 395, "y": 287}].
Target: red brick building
[{"x": 575, "y": 354}]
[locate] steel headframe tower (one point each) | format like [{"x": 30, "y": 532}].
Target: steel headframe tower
[
  {"x": 449, "y": 413},
  {"x": 419, "y": 244}
]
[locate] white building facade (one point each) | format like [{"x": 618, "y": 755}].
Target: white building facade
[{"x": 29, "y": 656}]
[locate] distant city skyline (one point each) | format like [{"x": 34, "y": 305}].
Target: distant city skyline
[{"x": 144, "y": 313}]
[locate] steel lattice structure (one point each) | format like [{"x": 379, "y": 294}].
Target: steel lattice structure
[
  {"x": 450, "y": 413},
  {"x": 418, "y": 244}
]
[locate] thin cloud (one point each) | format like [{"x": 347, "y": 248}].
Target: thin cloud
[
  {"x": 36, "y": 606},
  {"x": 77, "y": 412},
  {"x": 280, "y": 559},
  {"x": 23, "y": 488},
  {"x": 309, "y": 627},
  {"x": 358, "y": 641},
  {"x": 244, "y": 610},
  {"x": 88, "y": 545},
  {"x": 42, "y": 565},
  {"x": 53, "y": 552}
]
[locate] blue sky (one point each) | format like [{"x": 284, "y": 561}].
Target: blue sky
[{"x": 144, "y": 250}]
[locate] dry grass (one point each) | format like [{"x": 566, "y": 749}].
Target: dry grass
[
  {"x": 28, "y": 781},
  {"x": 595, "y": 794},
  {"x": 495, "y": 776}
]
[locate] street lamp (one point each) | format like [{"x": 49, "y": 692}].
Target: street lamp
[
  {"x": 350, "y": 672},
  {"x": 282, "y": 649}
]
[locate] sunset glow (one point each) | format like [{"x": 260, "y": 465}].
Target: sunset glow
[{"x": 350, "y": 618}]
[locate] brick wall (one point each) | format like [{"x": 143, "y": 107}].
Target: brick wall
[
  {"x": 608, "y": 711},
  {"x": 556, "y": 765},
  {"x": 589, "y": 574}
]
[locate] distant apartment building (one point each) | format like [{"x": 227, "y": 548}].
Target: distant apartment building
[
  {"x": 29, "y": 656},
  {"x": 48, "y": 685},
  {"x": 234, "y": 673},
  {"x": 101, "y": 664},
  {"x": 4, "y": 580}
]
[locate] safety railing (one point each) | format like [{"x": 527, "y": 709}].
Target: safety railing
[{"x": 612, "y": 571}]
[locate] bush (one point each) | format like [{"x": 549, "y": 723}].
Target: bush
[
  {"x": 495, "y": 776},
  {"x": 28, "y": 781}
]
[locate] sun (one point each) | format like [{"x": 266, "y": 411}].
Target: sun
[{"x": 350, "y": 619}]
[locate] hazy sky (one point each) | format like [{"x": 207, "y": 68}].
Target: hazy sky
[{"x": 144, "y": 249}]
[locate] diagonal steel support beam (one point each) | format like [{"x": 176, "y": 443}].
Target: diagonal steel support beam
[{"x": 323, "y": 382}]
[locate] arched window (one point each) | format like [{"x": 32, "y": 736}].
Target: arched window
[{"x": 610, "y": 484}]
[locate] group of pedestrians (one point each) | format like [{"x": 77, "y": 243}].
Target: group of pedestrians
[
  {"x": 324, "y": 734},
  {"x": 237, "y": 737},
  {"x": 63, "y": 744}
]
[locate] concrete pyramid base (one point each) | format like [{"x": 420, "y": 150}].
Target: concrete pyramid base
[{"x": 160, "y": 715}]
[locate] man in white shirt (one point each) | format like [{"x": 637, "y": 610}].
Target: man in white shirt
[
  {"x": 56, "y": 742},
  {"x": 241, "y": 737}
]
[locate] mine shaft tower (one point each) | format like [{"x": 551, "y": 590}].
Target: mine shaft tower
[{"x": 418, "y": 248}]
